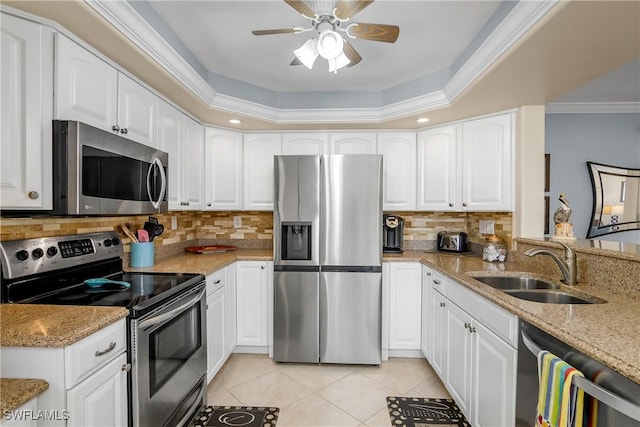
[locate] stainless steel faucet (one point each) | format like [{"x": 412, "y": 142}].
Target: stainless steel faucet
[{"x": 568, "y": 266}]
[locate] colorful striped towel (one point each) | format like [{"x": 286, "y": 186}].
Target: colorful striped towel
[{"x": 560, "y": 403}]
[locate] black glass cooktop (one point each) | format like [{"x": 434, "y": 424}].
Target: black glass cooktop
[{"x": 144, "y": 286}]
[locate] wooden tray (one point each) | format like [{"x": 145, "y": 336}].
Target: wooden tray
[{"x": 209, "y": 249}]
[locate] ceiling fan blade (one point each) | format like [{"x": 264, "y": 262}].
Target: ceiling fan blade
[
  {"x": 296, "y": 61},
  {"x": 375, "y": 32},
  {"x": 275, "y": 31},
  {"x": 351, "y": 53},
  {"x": 301, "y": 7},
  {"x": 345, "y": 9}
]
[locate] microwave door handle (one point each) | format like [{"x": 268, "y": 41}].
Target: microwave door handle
[
  {"x": 163, "y": 188},
  {"x": 155, "y": 320}
]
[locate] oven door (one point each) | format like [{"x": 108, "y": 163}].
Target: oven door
[{"x": 169, "y": 359}]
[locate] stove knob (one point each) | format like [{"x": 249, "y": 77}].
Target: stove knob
[
  {"x": 107, "y": 243},
  {"x": 37, "y": 253},
  {"x": 52, "y": 251},
  {"x": 115, "y": 241},
  {"x": 22, "y": 255}
]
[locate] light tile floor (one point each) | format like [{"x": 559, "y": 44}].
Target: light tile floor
[{"x": 322, "y": 395}]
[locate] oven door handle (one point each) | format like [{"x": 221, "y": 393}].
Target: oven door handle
[
  {"x": 163, "y": 188},
  {"x": 155, "y": 320}
]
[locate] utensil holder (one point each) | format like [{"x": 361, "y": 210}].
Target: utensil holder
[{"x": 142, "y": 254}]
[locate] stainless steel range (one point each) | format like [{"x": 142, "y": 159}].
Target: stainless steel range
[{"x": 166, "y": 322}]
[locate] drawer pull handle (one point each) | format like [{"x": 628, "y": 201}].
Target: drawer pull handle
[
  {"x": 436, "y": 281},
  {"x": 216, "y": 282},
  {"x": 105, "y": 351}
]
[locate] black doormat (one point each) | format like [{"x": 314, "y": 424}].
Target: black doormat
[
  {"x": 237, "y": 416},
  {"x": 423, "y": 412}
]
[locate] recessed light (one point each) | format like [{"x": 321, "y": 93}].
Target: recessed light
[
  {"x": 235, "y": 121},
  {"x": 422, "y": 119}
]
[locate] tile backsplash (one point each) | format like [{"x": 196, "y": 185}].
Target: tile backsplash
[{"x": 256, "y": 230}]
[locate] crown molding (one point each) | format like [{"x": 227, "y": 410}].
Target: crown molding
[
  {"x": 593, "y": 108},
  {"x": 126, "y": 20}
]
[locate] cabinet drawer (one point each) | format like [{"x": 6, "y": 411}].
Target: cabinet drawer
[
  {"x": 94, "y": 351},
  {"x": 438, "y": 282},
  {"x": 215, "y": 281},
  {"x": 497, "y": 319}
]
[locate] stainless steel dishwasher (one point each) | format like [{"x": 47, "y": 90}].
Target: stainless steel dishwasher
[{"x": 618, "y": 398}]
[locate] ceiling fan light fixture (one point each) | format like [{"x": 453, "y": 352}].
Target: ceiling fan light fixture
[
  {"x": 307, "y": 53},
  {"x": 330, "y": 44},
  {"x": 341, "y": 61}
]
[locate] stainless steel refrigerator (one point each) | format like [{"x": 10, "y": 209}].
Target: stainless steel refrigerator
[{"x": 328, "y": 259}]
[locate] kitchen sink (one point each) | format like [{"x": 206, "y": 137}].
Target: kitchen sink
[
  {"x": 550, "y": 296},
  {"x": 515, "y": 283}
]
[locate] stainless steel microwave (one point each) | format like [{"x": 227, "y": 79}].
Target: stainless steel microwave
[{"x": 96, "y": 172}]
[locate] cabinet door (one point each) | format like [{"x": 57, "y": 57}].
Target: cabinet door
[
  {"x": 437, "y": 169},
  {"x": 137, "y": 112},
  {"x": 404, "y": 306},
  {"x": 305, "y": 143},
  {"x": 487, "y": 164},
  {"x": 252, "y": 321},
  {"x": 86, "y": 87},
  {"x": 495, "y": 369},
  {"x": 230, "y": 298},
  {"x": 353, "y": 143},
  {"x": 193, "y": 165},
  {"x": 223, "y": 169},
  {"x": 216, "y": 350},
  {"x": 170, "y": 134},
  {"x": 426, "y": 335},
  {"x": 101, "y": 399},
  {"x": 459, "y": 356},
  {"x": 259, "y": 150},
  {"x": 438, "y": 336},
  {"x": 399, "y": 170},
  {"x": 26, "y": 79}
]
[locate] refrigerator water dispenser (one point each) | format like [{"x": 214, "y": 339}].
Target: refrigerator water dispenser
[{"x": 296, "y": 241}]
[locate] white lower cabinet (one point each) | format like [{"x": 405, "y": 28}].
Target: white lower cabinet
[
  {"x": 230, "y": 298},
  {"x": 426, "y": 343},
  {"x": 405, "y": 317},
  {"x": 20, "y": 419},
  {"x": 254, "y": 280},
  {"x": 216, "y": 320},
  {"x": 87, "y": 379},
  {"x": 474, "y": 352}
]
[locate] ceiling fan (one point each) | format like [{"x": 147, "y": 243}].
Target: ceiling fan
[{"x": 328, "y": 24}]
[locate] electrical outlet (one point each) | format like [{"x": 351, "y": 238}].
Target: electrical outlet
[
  {"x": 489, "y": 226},
  {"x": 237, "y": 221},
  {"x": 483, "y": 226},
  {"x": 174, "y": 222}
]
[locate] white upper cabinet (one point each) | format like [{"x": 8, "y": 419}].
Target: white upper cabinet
[
  {"x": 193, "y": 165},
  {"x": 259, "y": 150},
  {"x": 91, "y": 91},
  {"x": 467, "y": 166},
  {"x": 26, "y": 80},
  {"x": 487, "y": 176},
  {"x": 353, "y": 143},
  {"x": 305, "y": 143},
  {"x": 223, "y": 169},
  {"x": 399, "y": 170},
  {"x": 137, "y": 111},
  {"x": 437, "y": 169},
  {"x": 183, "y": 139},
  {"x": 86, "y": 88}
]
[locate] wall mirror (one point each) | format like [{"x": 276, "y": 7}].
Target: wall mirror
[{"x": 616, "y": 199}]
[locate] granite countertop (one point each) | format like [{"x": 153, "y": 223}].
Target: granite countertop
[
  {"x": 608, "y": 332},
  {"x": 15, "y": 392},
  {"x": 35, "y": 325}
]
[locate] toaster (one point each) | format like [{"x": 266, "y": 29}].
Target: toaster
[{"x": 452, "y": 241}]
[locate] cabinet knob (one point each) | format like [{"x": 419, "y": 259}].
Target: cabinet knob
[
  {"x": 428, "y": 273},
  {"x": 472, "y": 329},
  {"x": 450, "y": 205},
  {"x": 209, "y": 204},
  {"x": 124, "y": 131},
  {"x": 436, "y": 281},
  {"x": 442, "y": 304},
  {"x": 262, "y": 267},
  {"x": 115, "y": 128},
  {"x": 33, "y": 195},
  {"x": 467, "y": 325},
  {"x": 126, "y": 367},
  {"x": 464, "y": 204}
]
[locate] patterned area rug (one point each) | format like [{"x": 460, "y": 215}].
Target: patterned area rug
[
  {"x": 237, "y": 416},
  {"x": 422, "y": 412}
]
